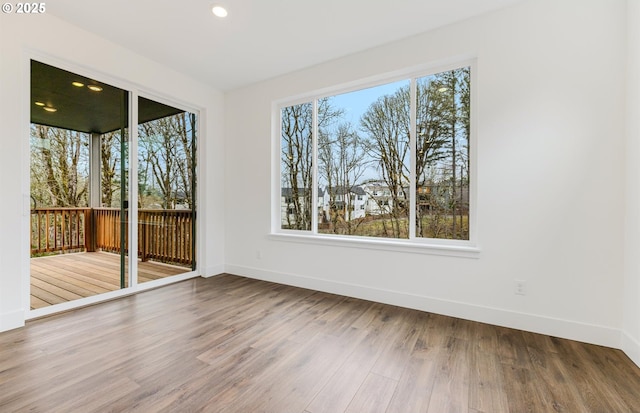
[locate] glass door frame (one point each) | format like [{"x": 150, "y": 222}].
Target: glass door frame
[
  {"x": 134, "y": 190},
  {"x": 133, "y": 92}
]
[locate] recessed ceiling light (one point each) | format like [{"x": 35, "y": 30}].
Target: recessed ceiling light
[
  {"x": 39, "y": 103},
  {"x": 50, "y": 109},
  {"x": 95, "y": 88},
  {"x": 77, "y": 84},
  {"x": 219, "y": 11}
]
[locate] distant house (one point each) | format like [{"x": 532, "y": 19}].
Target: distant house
[
  {"x": 379, "y": 199},
  {"x": 433, "y": 195},
  {"x": 348, "y": 203},
  {"x": 291, "y": 210},
  {"x": 358, "y": 201},
  {"x": 292, "y": 205},
  {"x": 323, "y": 206}
]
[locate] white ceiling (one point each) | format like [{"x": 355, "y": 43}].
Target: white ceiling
[{"x": 260, "y": 39}]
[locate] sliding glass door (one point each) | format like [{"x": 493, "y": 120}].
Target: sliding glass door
[
  {"x": 166, "y": 190},
  {"x": 112, "y": 206},
  {"x": 79, "y": 180}
]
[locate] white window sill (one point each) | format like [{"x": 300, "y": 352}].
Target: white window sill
[{"x": 464, "y": 249}]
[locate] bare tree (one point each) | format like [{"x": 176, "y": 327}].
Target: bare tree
[
  {"x": 110, "y": 168},
  {"x": 185, "y": 129},
  {"x": 454, "y": 86},
  {"x": 297, "y": 159},
  {"x": 432, "y": 139},
  {"x": 387, "y": 125},
  {"x": 341, "y": 163},
  {"x": 60, "y": 167},
  {"x": 297, "y": 172},
  {"x": 166, "y": 161}
]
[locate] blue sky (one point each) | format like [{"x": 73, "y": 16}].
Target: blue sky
[{"x": 356, "y": 103}]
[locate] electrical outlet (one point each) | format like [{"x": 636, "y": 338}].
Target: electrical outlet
[{"x": 520, "y": 287}]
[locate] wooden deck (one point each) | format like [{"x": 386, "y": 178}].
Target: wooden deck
[{"x": 60, "y": 278}]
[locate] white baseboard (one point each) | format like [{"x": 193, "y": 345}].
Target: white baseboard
[
  {"x": 568, "y": 329},
  {"x": 213, "y": 271},
  {"x": 631, "y": 347},
  {"x": 9, "y": 321}
]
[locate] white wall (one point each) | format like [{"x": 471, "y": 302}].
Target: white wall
[
  {"x": 20, "y": 37},
  {"x": 631, "y": 338},
  {"x": 551, "y": 130}
]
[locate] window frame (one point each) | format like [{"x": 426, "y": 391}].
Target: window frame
[{"x": 448, "y": 247}]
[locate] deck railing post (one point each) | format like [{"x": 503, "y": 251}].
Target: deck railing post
[
  {"x": 143, "y": 236},
  {"x": 89, "y": 230}
]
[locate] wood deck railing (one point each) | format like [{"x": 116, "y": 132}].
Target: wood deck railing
[
  {"x": 59, "y": 229},
  {"x": 163, "y": 235}
]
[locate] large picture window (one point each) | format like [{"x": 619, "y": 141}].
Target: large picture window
[{"x": 390, "y": 161}]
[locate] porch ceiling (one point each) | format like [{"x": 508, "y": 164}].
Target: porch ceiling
[{"x": 79, "y": 108}]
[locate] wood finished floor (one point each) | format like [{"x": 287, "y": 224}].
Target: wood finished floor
[
  {"x": 67, "y": 277},
  {"x": 231, "y": 344}
]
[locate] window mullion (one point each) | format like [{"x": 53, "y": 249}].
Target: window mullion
[
  {"x": 412, "y": 166},
  {"x": 314, "y": 163}
]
